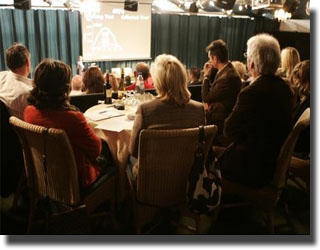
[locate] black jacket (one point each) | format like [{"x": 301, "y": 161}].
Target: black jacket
[{"x": 258, "y": 126}]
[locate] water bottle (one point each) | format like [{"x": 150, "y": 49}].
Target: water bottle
[{"x": 140, "y": 83}]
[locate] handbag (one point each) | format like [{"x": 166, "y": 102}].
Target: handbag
[{"x": 204, "y": 187}]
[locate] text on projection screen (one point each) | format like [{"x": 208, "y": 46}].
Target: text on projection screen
[{"x": 116, "y": 34}]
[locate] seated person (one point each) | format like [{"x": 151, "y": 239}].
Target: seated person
[
  {"x": 76, "y": 85},
  {"x": 172, "y": 108},
  {"x": 300, "y": 80},
  {"x": 49, "y": 107},
  {"x": 15, "y": 84},
  {"x": 144, "y": 69},
  {"x": 127, "y": 80},
  {"x": 219, "y": 96},
  {"x": 290, "y": 57},
  {"x": 194, "y": 76},
  {"x": 93, "y": 80},
  {"x": 260, "y": 121}
]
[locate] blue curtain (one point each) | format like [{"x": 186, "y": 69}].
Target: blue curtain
[{"x": 57, "y": 34}]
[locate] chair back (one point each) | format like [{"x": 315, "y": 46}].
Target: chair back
[
  {"x": 85, "y": 101},
  {"x": 165, "y": 160},
  {"x": 287, "y": 148},
  {"x": 49, "y": 162},
  {"x": 195, "y": 91},
  {"x": 11, "y": 155}
]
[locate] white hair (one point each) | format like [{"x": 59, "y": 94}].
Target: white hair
[{"x": 264, "y": 51}]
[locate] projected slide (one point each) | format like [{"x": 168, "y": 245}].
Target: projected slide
[{"x": 115, "y": 34}]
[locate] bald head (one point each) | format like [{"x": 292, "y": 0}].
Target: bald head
[{"x": 77, "y": 83}]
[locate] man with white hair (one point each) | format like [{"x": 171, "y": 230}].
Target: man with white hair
[
  {"x": 261, "y": 119},
  {"x": 76, "y": 85}
]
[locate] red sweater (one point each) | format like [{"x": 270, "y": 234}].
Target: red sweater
[
  {"x": 85, "y": 144},
  {"x": 148, "y": 84}
]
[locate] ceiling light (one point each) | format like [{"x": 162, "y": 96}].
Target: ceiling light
[{"x": 282, "y": 15}]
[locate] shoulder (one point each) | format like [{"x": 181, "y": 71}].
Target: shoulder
[{"x": 195, "y": 104}]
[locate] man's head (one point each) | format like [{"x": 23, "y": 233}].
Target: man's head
[
  {"x": 76, "y": 83},
  {"x": 263, "y": 54},
  {"x": 194, "y": 74},
  {"x": 144, "y": 69},
  {"x": 217, "y": 53},
  {"x": 18, "y": 59}
]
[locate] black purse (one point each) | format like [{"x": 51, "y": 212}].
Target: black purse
[{"x": 204, "y": 187}]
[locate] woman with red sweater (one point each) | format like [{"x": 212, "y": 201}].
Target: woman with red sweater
[{"x": 50, "y": 107}]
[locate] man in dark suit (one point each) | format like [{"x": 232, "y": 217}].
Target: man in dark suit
[
  {"x": 261, "y": 119},
  {"x": 220, "y": 96}
]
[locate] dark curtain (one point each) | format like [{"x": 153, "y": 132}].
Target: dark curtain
[
  {"x": 186, "y": 37},
  {"x": 46, "y": 33},
  {"x": 57, "y": 34}
]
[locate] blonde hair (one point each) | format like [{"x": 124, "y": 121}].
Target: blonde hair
[
  {"x": 170, "y": 80},
  {"x": 240, "y": 68},
  {"x": 290, "y": 57},
  {"x": 300, "y": 78}
]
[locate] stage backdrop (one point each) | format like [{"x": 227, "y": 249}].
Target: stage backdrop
[{"x": 57, "y": 34}]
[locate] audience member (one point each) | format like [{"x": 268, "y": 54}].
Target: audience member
[
  {"x": 300, "y": 79},
  {"x": 173, "y": 107},
  {"x": 194, "y": 76},
  {"x": 289, "y": 58},
  {"x": 145, "y": 70},
  {"x": 93, "y": 80},
  {"x": 261, "y": 119},
  {"x": 49, "y": 107},
  {"x": 113, "y": 81},
  {"x": 219, "y": 97},
  {"x": 76, "y": 85},
  {"x": 127, "y": 80},
  {"x": 15, "y": 84},
  {"x": 240, "y": 67}
]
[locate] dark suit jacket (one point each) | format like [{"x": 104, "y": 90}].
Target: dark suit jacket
[
  {"x": 221, "y": 97},
  {"x": 258, "y": 125}
]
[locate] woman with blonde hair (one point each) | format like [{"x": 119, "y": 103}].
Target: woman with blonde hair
[
  {"x": 290, "y": 57},
  {"x": 172, "y": 108},
  {"x": 93, "y": 80},
  {"x": 300, "y": 80}
]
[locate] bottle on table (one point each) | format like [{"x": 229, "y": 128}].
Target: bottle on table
[
  {"x": 122, "y": 86},
  {"x": 140, "y": 84},
  {"x": 107, "y": 90}
]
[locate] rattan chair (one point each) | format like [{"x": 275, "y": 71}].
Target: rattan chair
[
  {"x": 51, "y": 172},
  {"x": 266, "y": 198},
  {"x": 165, "y": 159},
  {"x": 300, "y": 168}
]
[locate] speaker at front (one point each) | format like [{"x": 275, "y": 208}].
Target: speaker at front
[
  {"x": 131, "y": 5},
  {"x": 224, "y": 4},
  {"x": 22, "y": 4}
]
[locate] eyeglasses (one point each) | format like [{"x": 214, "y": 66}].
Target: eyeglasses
[{"x": 245, "y": 54}]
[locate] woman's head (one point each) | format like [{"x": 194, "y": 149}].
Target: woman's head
[
  {"x": 51, "y": 84},
  {"x": 300, "y": 78},
  {"x": 93, "y": 80},
  {"x": 170, "y": 79},
  {"x": 289, "y": 58}
]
